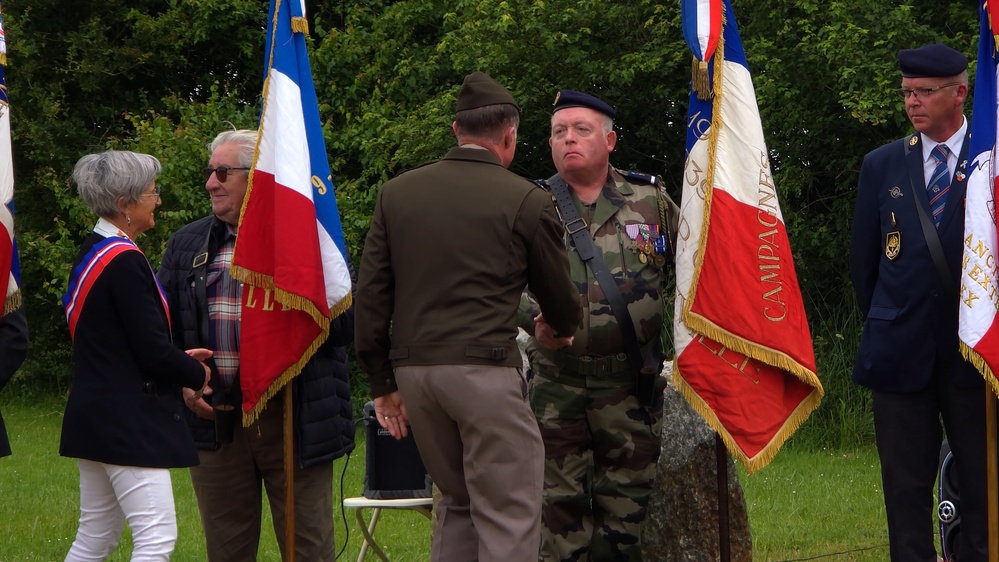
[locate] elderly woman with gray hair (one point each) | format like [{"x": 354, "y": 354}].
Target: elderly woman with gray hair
[{"x": 122, "y": 421}]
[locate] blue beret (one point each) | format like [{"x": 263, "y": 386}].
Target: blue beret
[
  {"x": 931, "y": 60},
  {"x": 572, "y": 98}
]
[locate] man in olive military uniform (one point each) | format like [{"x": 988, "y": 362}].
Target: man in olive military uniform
[
  {"x": 451, "y": 247},
  {"x": 601, "y": 435}
]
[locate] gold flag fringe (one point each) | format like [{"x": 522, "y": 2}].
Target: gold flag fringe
[
  {"x": 701, "y": 325},
  {"x": 3, "y": 59},
  {"x": 297, "y": 302},
  {"x": 700, "y": 79},
  {"x": 779, "y": 359},
  {"x": 770, "y": 450},
  {"x": 12, "y": 302},
  {"x": 716, "y": 124},
  {"x": 300, "y": 25},
  {"x": 291, "y": 300},
  {"x": 280, "y": 382},
  {"x": 975, "y": 359}
]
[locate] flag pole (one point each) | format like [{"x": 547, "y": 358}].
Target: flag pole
[
  {"x": 289, "y": 476},
  {"x": 992, "y": 472},
  {"x": 724, "y": 533}
]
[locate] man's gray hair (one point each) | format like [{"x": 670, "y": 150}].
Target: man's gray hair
[
  {"x": 105, "y": 177},
  {"x": 246, "y": 139}
]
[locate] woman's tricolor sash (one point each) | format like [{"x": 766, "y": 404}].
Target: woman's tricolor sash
[{"x": 84, "y": 275}]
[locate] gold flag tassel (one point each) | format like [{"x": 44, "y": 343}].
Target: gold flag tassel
[
  {"x": 699, "y": 81},
  {"x": 300, "y": 25}
]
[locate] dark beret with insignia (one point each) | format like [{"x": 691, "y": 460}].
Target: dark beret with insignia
[
  {"x": 479, "y": 90},
  {"x": 934, "y": 60},
  {"x": 572, "y": 98}
]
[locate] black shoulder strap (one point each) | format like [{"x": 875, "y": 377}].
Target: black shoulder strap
[
  {"x": 581, "y": 239},
  {"x": 932, "y": 237},
  {"x": 933, "y": 242}
]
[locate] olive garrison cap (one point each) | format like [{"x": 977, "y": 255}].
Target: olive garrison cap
[
  {"x": 933, "y": 60},
  {"x": 479, "y": 90},
  {"x": 572, "y": 98}
]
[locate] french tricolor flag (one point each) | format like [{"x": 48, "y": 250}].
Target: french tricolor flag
[
  {"x": 979, "y": 321},
  {"x": 10, "y": 271},
  {"x": 744, "y": 351},
  {"x": 290, "y": 251}
]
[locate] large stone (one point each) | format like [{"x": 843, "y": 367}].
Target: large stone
[{"x": 682, "y": 522}]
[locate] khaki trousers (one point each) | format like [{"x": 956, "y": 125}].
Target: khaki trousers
[{"x": 480, "y": 443}]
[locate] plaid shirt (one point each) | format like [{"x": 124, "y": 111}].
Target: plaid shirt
[{"x": 224, "y": 295}]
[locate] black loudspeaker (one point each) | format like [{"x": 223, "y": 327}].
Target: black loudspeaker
[
  {"x": 393, "y": 468},
  {"x": 949, "y": 507}
]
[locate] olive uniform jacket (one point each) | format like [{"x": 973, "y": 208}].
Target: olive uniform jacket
[
  {"x": 910, "y": 315},
  {"x": 451, "y": 247}
]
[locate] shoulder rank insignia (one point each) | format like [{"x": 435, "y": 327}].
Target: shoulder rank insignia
[
  {"x": 639, "y": 177},
  {"x": 893, "y": 244}
]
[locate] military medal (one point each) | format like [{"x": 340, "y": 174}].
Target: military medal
[
  {"x": 649, "y": 242},
  {"x": 893, "y": 244}
]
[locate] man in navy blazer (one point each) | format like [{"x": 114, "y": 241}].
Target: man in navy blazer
[{"x": 905, "y": 264}]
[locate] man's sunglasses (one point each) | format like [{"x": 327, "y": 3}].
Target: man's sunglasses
[{"x": 222, "y": 172}]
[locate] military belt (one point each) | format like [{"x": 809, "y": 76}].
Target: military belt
[{"x": 590, "y": 366}]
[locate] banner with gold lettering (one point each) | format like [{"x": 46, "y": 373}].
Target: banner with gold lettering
[
  {"x": 290, "y": 251},
  {"x": 979, "y": 325},
  {"x": 744, "y": 352}
]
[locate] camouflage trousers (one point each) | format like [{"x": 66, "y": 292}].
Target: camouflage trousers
[{"x": 601, "y": 449}]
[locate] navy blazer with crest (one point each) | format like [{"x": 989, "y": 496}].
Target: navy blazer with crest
[{"x": 910, "y": 312}]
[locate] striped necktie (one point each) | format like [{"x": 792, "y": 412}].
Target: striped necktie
[{"x": 939, "y": 184}]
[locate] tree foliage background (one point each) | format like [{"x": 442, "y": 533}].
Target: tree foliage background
[{"x": 165, "y": 76}]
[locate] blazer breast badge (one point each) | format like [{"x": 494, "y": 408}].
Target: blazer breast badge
[{"x": 893, "y": 244}]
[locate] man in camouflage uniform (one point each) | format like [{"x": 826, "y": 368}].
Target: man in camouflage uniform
[{"x": 601, "y": 442}]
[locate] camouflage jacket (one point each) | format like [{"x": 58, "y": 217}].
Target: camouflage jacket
[{"x": 619, "y": 221}]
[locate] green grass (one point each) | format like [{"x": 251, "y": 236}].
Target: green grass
[
  {"x": 806, "y": 505},
  {"x": 817, "y": 505},
  {"x": 39, "y": 500}
]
